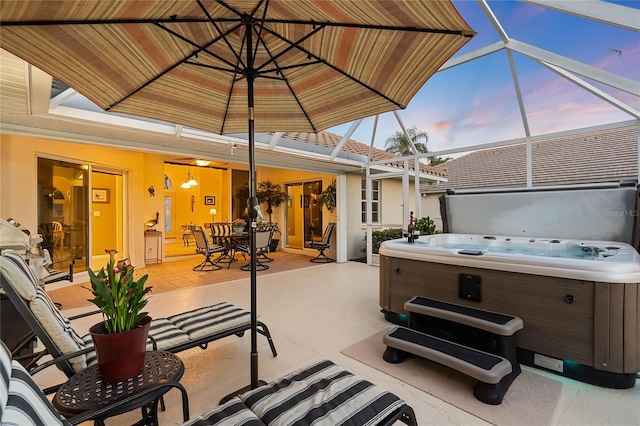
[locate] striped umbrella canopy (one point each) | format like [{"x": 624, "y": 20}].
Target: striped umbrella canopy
[{"x": 239, "y": 66}]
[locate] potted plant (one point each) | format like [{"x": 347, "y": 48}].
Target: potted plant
[
  {"x": 120, "y": 340},
  {"x": 328, "y": 197},
  {"x": 239, "y": 225},
  {"x": 274, "y": 196}
]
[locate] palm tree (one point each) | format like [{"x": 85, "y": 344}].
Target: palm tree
[
  {"x": 272, "y": 194},
  {"x": 398, "y": 143}
]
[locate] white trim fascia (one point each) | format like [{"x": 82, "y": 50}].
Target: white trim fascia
[
  {"x": 392, "y": 172},
  {"x": 102, "y": 119}
]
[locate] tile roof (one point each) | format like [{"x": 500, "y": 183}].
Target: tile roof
[
  {"x": 331, "y": 140},
  {"x": 590, "y": 157}
]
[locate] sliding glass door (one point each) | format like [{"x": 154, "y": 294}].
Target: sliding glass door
[
  {"x": 304, "y": 214},
  {"x": 63, "y": 212}
]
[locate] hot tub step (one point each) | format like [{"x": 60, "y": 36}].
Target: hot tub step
[
  {"x": 502, "y": 327},
  {"x": 493, "y": 322},
  {"x": 494, "y": 373}
]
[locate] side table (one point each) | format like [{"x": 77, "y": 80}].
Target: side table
[{"x": 86, "y": 391}]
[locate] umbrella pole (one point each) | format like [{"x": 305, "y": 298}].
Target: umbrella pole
[
  {"x": 249, "y": 74},
  {"x": 252, "y": 231}
]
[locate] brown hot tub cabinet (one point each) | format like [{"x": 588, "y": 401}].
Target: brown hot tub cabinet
[{"x": 586, "y": 330}]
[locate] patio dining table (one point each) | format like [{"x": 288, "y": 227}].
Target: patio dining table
[{"x": 232, "y": 241}]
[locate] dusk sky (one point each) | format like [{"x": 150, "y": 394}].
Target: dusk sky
[{"x": 476, "y": 103}]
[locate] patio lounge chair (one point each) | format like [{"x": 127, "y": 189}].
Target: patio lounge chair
[
  {"x": 322, "y": 394},
  {"x": 175, "y": 333},
  {"x": 323, "y": 245}
]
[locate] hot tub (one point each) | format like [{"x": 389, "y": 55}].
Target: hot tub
[{"x": 579, "y": 300}]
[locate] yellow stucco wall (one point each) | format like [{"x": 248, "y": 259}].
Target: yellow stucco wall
[{"x": 18, "y": 180}]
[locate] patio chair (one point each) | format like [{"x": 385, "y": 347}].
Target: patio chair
[
  {"x": 176, "y": 333},
  {"x": 207, "y": 250},
  {"x": 271, "y": 227},
  {"x": 220, "y": 235},
  {"x": 263, "y": 243},
  {"x": 323, "y": 245}
]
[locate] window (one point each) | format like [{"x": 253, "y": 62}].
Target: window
[{"x": 375, "y": 201}]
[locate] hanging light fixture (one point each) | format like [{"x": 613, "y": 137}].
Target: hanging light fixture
[
  {"x": 202, "y": 163},
  {"x": 192, "y": 181},
  {"x": 189, "y": 181}
]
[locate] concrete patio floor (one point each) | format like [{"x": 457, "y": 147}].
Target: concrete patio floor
[{"x": 315, "y": 312}]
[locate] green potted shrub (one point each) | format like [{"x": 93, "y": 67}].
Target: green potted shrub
[
  {"x": 120, "y": 339},
  {"x": 272, "y": 194},
  {"x": 425, "y": 225}
]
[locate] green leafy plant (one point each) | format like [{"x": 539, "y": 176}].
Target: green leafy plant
[
  {"x": 378, "y": 236},
  {"x": 425, "y": 225},
  {"x": 328, "y": 197},
  {"x": 118, "y": 295}
]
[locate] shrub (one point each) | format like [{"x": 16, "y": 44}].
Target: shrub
[
  {"x": 425, "y": 225},
  {"x": 381, "y": 235}
]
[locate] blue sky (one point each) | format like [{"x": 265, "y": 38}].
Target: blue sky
[{"x": 476, "y": 102}]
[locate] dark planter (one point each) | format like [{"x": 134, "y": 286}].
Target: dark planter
[
  {"x": 274, "y": 244},
  {"x": 120, "y": 355}
]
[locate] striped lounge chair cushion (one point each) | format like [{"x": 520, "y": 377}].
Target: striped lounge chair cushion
[
  {"x": 210, "y": 320},
  {"x": 321, "y": 394},
  {"x": 58, "y": 327},
  {"x": 233, "y": 412},
  {"x": 23, "y": 403}
]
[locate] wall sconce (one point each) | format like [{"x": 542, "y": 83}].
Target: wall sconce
[{"x": 213, "y": 214}]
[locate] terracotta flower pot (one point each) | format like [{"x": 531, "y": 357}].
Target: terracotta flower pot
[{"x": 120, "y": 355}]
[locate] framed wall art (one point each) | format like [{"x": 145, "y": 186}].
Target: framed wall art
[
  {"x": 209, "y": 200},
  {"x": 100, "y": 195}
]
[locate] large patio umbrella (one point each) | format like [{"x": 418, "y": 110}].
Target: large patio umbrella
[{"x": 239, "y": 66}]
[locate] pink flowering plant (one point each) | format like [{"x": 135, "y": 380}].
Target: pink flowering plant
[{"x": 118, "y": 295}]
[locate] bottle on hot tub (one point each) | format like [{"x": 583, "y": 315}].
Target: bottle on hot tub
[{"x": 412, "y": 232}]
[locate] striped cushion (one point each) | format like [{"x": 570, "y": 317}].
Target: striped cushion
[
  {"x": 27, "y": 404},
  {"x": 5, "y": 375},
  {"x": 210, "y": 319},
  {"x": 321, "y": 394},
  {"x": 166, "y": 334},
  {"x": 232, "y": 413},
  {"x": 59, "y": 328},
  {"x": 14, "y": 268}
]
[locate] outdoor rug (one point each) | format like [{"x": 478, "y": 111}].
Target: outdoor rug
[{"x": 531, "y": 398}]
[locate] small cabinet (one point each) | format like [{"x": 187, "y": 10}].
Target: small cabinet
[{"x": 152, "y": 247}]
